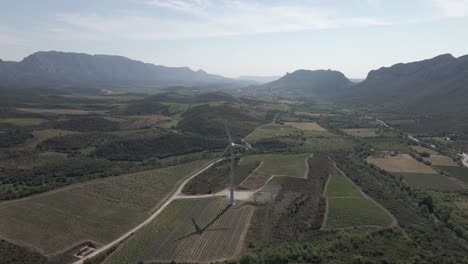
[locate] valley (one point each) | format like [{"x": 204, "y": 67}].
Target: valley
[{"x": 137, "y": 177}]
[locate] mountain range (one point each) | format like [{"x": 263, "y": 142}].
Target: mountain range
[
  {"x": 437, "y": 85},
  {"x": 77, "y": 70},
  {"x": 322, "y": 83}
]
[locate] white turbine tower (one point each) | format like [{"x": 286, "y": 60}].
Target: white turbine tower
[{"x": 231, "y": 147}]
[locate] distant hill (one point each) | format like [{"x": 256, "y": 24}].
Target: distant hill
[
  {"x": 258, "y": 79},
  {"x": 437, "y": 88},
  {"x": 69, "y": 70},
  {"x": 323, "y": 83}
]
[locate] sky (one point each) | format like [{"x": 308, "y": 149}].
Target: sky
[{"x": 237, "y": 37}]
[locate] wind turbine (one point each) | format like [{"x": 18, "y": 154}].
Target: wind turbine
[{"x": 231, "y": 148}]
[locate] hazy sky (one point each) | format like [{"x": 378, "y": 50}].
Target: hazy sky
[{"x": 234, "y": 37}]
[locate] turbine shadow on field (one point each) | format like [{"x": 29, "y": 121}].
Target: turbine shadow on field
[{"x": 200, "y": 230}]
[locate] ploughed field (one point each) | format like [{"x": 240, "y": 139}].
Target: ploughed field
[
  {"x": 349, "y": 207},
  {"x": 188, "y": 230},
  {"x": 97, "y": 211},
  {"x": 416, "y": 174}
]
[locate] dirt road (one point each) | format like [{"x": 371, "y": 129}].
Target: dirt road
[{"x": 174, "y": 196}]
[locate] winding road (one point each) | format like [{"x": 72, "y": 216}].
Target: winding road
[{"x": 175, "y": 195}]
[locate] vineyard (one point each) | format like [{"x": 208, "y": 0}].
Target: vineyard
[
  {"x": 97, "y": 211},
  {"x": 349, "y": 207},
  {"x": 188, "y": 230}
]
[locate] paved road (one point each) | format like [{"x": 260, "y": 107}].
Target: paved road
[{"x": 174, "y": 196}]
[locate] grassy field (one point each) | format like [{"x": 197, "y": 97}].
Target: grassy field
[
  {"x": 195, "y": 230},
  {"x": 22, "y": 121},
  {"x": 388, "y": 144},
  {"x": 306, "y": 126},
  {"x": 401, "y": 163},
  {"x": 348, "y": 207},
  {"x": 43, "y": 135},
  {"x": 318, "y": 134},
  {"x": 431, "y": 181},
  {"x": 415, "y": 173},
  {"x": 216, "y": 178},
  {"x": 58, "y": 111},
  {"x": 95, "y": 211},
  {"x": 441, "y": 160},
  {"x": 271, "y": 164},
  {"x": 272, "y": 131},
  {"x": 278, "y": 164},
  {"x": 460, "y": 173},
  {"x": 325, "y": 144},
  {"x": 361, "y": 132},
  {"x": 423, "y": 149}
]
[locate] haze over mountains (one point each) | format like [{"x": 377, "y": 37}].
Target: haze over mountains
[
  {"x": 60, "y": 69},
  {"x": 322, "y": 83},
  {"x": 438, "y": 85}
]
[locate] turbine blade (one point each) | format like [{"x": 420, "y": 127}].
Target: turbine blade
[
  {"x": 231, "y": 176},
  {"x": 228, "y": 132},
  {"x": 225, "y": 150}
]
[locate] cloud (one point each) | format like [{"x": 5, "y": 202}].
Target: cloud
[
  {"x": 452, "y": 8},
  {"x": 206, "y": 18}
]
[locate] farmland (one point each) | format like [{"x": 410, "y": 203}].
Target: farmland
[
  {"x": 216, "y": 178},
  {"x": 401, "y": 163},
  {"x": 306, "y": 126},
  {"x": 189, "y": 230},
  {"x": 95, "y": 211},
  {"x": 431, "y": 181},
  {"x": 274, "y": 165},
  {"x": 22, "y": 121},
  {"x": 423, "y": 149},
  {"x": 272, "y": 131},
  {"x": 415, "y": 173},
  {"x": 296, "y": 212},
  {"x": 460, "y": 173},
  {"x": 441, "y": 160},
  {"x": 349, "y": 207},
  {"x": 361, "y": 132}
]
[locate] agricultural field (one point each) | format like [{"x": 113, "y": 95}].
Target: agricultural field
[
  {"x": 313, "y": 115},
  {"x": 421, "y": 149},
  {"x": 97, "y": 211},
  {"x": 271, "y": 131},
  {"x": 306, "y": 126},
  {"x": 461, "y": 173},
  {"x": 362, "y": 132},
  {"x": 281, "y": 165},
  {"x": 349, "y": 207},
  {"x": 274, "y": 165},
  {"x": 216, "y": 178},
  {"x": 188, "y": 230},
  {"x": 388, "y": 144},
  {"x": 58, "y": 111},
  {"x": 431, "y": 181},
  {"x": 415, "y": 173},
  {"x": 22, "y": 121},
  {"x": 401, "y": 163},
  {"x": 294, "y": 210},
  {"x": 325, "y": 144},
  {"x": 441, "y": 160}
]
